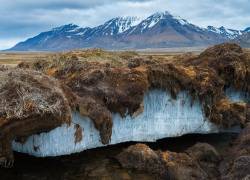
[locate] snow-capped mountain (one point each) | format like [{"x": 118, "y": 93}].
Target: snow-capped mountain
[
  {"x": 159, "y": 30},
  {"x": 59, "y": 37},
  {"x": 227, "y": 33},
  {"x": 247, "y": 30},
  {"x": 116, "y": 26},
  {"x": 244, "y": 39},
  {"x": 69, "y": 30},
  {"x": 155, "y": 19},
  {"x": 165, "y": 30}
]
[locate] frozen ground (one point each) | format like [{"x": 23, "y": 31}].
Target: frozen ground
[
  {"x": 162, "y": 117},
  {"x": 237, "y": 96}
]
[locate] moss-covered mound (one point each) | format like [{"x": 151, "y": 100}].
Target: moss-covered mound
[{"x": 30, "y": 103}]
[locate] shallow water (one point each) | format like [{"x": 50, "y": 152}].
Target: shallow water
[{"x": 100, "y": 163}]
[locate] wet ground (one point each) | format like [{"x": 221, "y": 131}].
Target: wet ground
[{"x": 100, "y": 163}]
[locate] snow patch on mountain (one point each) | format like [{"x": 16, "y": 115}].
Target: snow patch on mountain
[
  {"x": 66, "y": 28},
  {"x": 125, "y": 23},
  {"x": 228, "y": 33},
  {"x": 182, "y": 21},
  {"x": 82, "y": 32},
  {"x": 116, "y": 26},
  {"x": 152, "y": 20},
  {"x": 164, "y": 18}
]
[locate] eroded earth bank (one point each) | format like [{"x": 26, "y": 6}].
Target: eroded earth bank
[{"x": 86, "y": 99}]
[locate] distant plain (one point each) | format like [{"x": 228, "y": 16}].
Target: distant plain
[{"x": 14, "y": 58}]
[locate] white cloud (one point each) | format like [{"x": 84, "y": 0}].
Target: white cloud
[
  {"x": 26, "y": 18},
  {"x": 5, "y": 44}
]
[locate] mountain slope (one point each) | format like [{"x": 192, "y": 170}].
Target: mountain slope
[
  {"x": 165, "y": 30},
  {"x": 247, "y": 29},
  {"x": 71, "y": 36},
  {"x": 157, "y": 31},
  {"x": 61, "y": 37},
  {"x": 227, "y": 33},
  {"x": 115, "y": 26},
  {"x": 243, "y": 40}
]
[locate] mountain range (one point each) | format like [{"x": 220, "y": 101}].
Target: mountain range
[
  {"x": 159, "y": 30},
  {"x": 244, "y": 39}
]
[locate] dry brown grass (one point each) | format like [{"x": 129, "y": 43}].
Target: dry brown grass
[
  {"x": 30, "y": 103},
  {"x": 116, "y": 58},
  {"x": 13, "y": 59}
]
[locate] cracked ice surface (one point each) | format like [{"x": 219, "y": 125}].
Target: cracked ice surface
[{"x": 162, "y": 117}]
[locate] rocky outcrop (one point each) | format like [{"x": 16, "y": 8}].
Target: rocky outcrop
[
  {"x": 198, "y": 162},
  {"x": 30, "y": 103}
]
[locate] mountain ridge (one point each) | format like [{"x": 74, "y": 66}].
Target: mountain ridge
[{"x": 158, "y": 30}]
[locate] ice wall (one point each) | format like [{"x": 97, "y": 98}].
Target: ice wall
[
  {"x": 162, "y": 117},
  {"x": 237, "y": 96}
]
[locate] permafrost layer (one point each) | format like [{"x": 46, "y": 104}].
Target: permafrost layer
[
  {"x": 162, "y": 117},
  {"x": 237, "y": 96}
]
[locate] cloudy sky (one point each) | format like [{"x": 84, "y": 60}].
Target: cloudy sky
[{"x": 20, "y": 19}]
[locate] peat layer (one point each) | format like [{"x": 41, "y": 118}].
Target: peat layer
[
  {"x": 98, "y": 88},
  {"x": 198, "y": 162},
  {"x": 201, "y": 161},
  {"x": 30, "y": 102}
]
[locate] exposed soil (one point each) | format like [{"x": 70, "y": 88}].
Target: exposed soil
[
  {"x": 32, "y": 102},
  {"x": 101, "y": 163},
  {"x": 200, "y": 161},
  {"x": 236, "y": 164}
]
